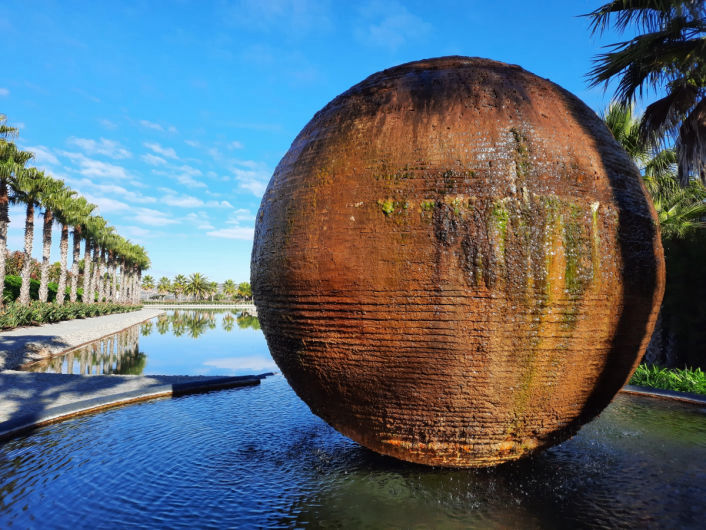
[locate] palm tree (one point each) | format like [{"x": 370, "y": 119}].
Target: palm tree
[
  {"x": 95, "y": 227},
  {"x": 668, "y": 54},
  {"x": 164, "y": 286},
  {"x": 148, "y": 283},
  {"x": 178, "y": 285},
  {"x": 48, "y": 199},
  {"x": 680, "y": 210},
  {"x": 77, "y": 214},
  {"x": 12, "y": 162},
  {"x": 244, "y": 290},
  {"x": 62, "y": 203},
  {"x": 197, "y": 286},
  {"x": 28, "y": 187},
  {"x": 229, "y": 288}
]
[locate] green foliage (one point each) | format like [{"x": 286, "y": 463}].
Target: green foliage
[
  {"x": 13, "y": 314},
  {"x": 681, "y": 380}
]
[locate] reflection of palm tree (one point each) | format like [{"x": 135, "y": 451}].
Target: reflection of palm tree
[
  {"x": 246, "y": 320},
  {"x": 132, "y": 363},
  {"x": 162, "y": 324},
  {"x": 228, "y": 322},
  {"x": 146, "y": 329}
]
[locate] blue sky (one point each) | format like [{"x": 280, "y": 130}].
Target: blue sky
[{"x": 171, "y": 116}]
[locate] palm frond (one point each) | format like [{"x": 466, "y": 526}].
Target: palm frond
[{"x": 691, "y": 144}]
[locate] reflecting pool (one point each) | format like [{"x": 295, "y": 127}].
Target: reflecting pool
[
  {"x": 188, "y": 342},
  {"x": 257, "y": 457}
]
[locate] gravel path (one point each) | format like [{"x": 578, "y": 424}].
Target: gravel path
[{"x": 23, "y": 345}]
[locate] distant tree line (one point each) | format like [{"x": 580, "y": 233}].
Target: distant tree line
[{"x": 197, "y": 287}]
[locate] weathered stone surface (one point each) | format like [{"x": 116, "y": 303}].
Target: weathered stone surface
[{"x": 455, "y": 263}]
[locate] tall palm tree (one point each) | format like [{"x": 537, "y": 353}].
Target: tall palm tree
[
  {"x": 12, "y": 161},
  {"x": 28, "y": 188},
  {"x": 669, "y": 55},
  {"x": 49, "y": 199},
  {"x": 94, "y": 226},
  {"x": 77, "y": 214},
  {"x": 62, "y": 203},
  {"x": 148, "y": 283},
  {"x": 680, "y": 210}
]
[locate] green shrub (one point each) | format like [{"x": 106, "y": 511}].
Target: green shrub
[
  {"x": 680, "y": 380},
  {"x": 13, "y": 315},
  {"x": 14, "y": 283}
]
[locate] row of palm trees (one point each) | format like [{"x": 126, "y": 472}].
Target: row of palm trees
[
  {"x": 107, "y": 255},
  {"x": 196, "y": 285}
]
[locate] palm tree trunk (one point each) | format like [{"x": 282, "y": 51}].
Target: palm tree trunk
[
  {"x": 27, "y": 265},
  {"x": 74, "y": 263},
  {"x": 46, "y": 253},
  {"x": 64, "y": 249},
  {"x": 95, "y": 281},
  {"x": 4, "y": 220},
  {"x": 114, "y": 283},
  {"x": 138, "y": 279},
  {"x": 86, "y": 272}
]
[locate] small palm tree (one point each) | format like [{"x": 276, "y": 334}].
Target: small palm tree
[
  {"x": 178, "y": 285},
  {"x": 244, "y": 290},
  {"x": 148, "y": 283},
  {"x": 197, "y": 286},
  {"x": 669, "y": 55},
  {"x": 229, "y": 288},
  {"x": 164, "y": 286},
  {"x": 62, "y": 203}
]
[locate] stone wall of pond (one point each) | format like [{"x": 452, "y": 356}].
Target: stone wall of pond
[{"x": 679, "y": 338}]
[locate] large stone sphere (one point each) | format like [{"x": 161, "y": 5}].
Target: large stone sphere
[{"x": 456, "y": 264}]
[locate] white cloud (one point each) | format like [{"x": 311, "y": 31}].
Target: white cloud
[
  {"x": 153, "y": 160},
  {"x": 182, "y": 201},
  {"x": 200, "y": 220},
  {"x": 151, "y": 125},
  {"x": 192, "y": 143},
  {"x": 108, "y": 124},
  {"x": 189, "y": 181},
  {"x": 235, "y": 144},
  {"x": 42, "y": 155},
  {"x": 172, "y": 129},
  {"x": 234, "y": 232},
  {"x": 134, "y": 231},
  {"x": 390, "y": 25},
  {"x": 152, "y": 217},
  {"x": 90, "y": 167},
  {"x": 167, "y": 152},
  {"x": 243, "y": 363},
  {"x": 106, "y": 204},
  {"x": 4, "y": 92},
  {"x": 91, "y": 186},
  {"x": 109, "y": 148}
]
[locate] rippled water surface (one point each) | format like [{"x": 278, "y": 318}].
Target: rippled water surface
[{"x": 257, "y": 457}]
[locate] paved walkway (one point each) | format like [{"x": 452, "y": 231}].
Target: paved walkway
[
  {"x": 24, "y": 345},
  {"x": 29, "y": 399}
]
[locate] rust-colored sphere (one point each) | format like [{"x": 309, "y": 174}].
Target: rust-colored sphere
[{"x": 456, "y": 264}]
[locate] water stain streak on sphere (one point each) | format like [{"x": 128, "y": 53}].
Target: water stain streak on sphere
[{"x": 456, "y": 264}]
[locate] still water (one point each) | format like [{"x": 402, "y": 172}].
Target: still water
[{"x": 256, "y": 457}]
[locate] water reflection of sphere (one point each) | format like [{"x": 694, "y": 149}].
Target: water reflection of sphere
[{"x": 456, "y": 264}]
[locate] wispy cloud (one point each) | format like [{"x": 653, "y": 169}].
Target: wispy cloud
[
  {"x": 389, "y": 24},
  {"x": 42, "y": 155},
  {"x": 151, "y": 125},
  {"x": 182, "y": 201},
  {"x": 167, "y": 152},
  {"x": 292, "y": 17},
  {"x": 150, "y": 217},
  {"x": 238, "y": 226},
  {"x": 200, "y": 220},
  {"x": 108, "y": 124},
  {"x": 90, "y": 167},
  {"x": 108, "y": 189},
  {"x": 4, "y": 92},
  {"x": 109, "y": 148},
  {"x": 106, "y": 204},
  {"x": 252, "y": 176},
  {"x": 235, "y": 144},
  {"x": 153, "y": 160}
]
